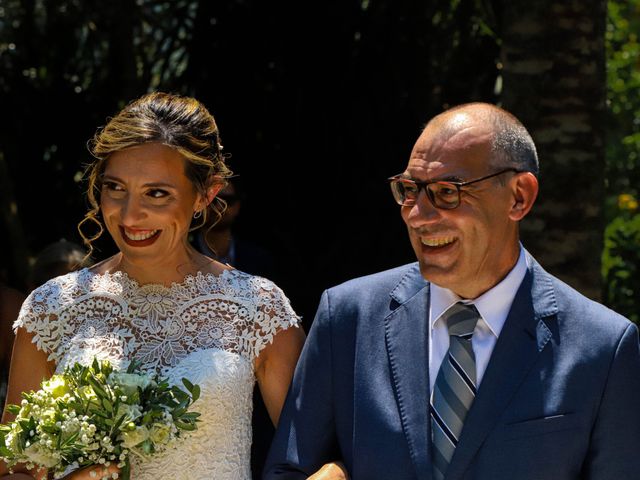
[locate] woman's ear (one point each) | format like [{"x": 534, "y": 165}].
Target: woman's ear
[
  {"x": 525, "y": 191},
  {"x": 213, "y": 189}
]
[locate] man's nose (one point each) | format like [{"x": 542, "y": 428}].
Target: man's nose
[{"x": 423, "y": 211}]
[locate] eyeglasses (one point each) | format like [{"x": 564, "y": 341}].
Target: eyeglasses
[{"x": 444, "y": 195}]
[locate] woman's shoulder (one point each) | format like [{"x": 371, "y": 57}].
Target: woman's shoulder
[
  {"x": 56, "y": 293},
  {"x": 262, "y": 288}
]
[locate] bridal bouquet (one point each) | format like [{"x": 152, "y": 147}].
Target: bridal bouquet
[{"x": 95, "y": 415}]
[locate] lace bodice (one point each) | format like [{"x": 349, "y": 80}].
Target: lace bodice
[{"x": 208, "y": 328}]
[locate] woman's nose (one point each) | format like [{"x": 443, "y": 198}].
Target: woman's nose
[{"x": 132, "y": 211}]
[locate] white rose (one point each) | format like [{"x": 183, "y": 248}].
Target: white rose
[
  {"x": 160, "y": 433},
  {"x": 129, "y": 382},
  {"x": 134, "y": 437}
]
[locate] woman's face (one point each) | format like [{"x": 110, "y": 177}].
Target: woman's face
[{"x": 148, "y": 202}]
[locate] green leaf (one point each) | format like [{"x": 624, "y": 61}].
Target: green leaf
[
  {"x": 5, "y": 452},
  {"x": 116, "y": 425},
  {"x": 97, "y": 387},
  {"x": 177, "y": 413},
  {"x": 147, "y": 447},
  {"x": 133, "y": 366},
  {"x": 52, "y": 429},
  {"x": 185, "y": 426},
  {"x": 125, "y": 472},
  {"x": 107, "y": 405},
  {"x": 179, "y": 394},
  {"x": 187, "y": 384},
  {"x": 13, "y": 409},
  {"x": 71, "y": 439},
  {"x": 195, "y": 393},
  {"x": 99, "y": 413},
  {"x": 190, "y": 416}
]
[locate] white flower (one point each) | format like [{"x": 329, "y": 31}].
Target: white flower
[
  {"x": 38, "y": 455},
  {"x": 160, "y": 433},
  {"x": 56, "y": 386},
  {"x": 131, "y": 412},
  {"x": 129, "y": 382},
  {"x": 135, "y": 437}
]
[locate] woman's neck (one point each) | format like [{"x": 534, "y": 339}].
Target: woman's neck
[{"x": 160, "y": 271}]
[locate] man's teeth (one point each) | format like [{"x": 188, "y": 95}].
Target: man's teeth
[
  {"x": 140, "y": 235},
  {"x": 437, "y": 242}
]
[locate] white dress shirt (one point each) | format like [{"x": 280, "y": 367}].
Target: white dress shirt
[{"x": 493, "y": 306}]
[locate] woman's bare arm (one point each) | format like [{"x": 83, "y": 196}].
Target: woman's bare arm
[{"x": 29, "y": 366}]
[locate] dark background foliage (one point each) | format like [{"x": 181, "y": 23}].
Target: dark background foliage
[{"x": 317, "y": 105}]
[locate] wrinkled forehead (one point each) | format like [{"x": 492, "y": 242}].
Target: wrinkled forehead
[{"x": 459, "y": 142}]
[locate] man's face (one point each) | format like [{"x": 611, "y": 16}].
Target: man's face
[{"x": 471, "y": 248}]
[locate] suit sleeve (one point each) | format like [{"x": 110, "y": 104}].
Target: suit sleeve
[
  {"x": 306, "y": 435},
  {"x": 615, "y": 441}
]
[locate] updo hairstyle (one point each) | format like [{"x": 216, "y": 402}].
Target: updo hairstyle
[{"x": 182, "y": 123}]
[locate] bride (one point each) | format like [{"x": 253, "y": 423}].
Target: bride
[{"x": 158, "y": 167}]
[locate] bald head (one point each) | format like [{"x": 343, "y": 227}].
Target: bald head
[{"x": 511, "y": 144}]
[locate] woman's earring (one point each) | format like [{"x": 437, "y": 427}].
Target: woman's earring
[{"x": 197, "y": 214}]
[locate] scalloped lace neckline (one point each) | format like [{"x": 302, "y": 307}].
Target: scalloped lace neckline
[{"x": 122, "y": 277}]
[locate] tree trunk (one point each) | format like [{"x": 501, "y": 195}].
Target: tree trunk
[{"x": 553, "y": 72}]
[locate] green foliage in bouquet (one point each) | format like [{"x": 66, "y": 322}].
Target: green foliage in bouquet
[{"x": 93, "y": 415}]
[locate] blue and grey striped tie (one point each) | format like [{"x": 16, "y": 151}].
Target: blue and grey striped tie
[{"x": 455, "y": 386}]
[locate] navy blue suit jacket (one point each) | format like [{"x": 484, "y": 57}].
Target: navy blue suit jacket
[{"x": 560, "y": 398}]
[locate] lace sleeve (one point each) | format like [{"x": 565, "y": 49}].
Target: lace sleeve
[
  {"x": 39, "y": 317},
  {"x": 274, "y": 314}
]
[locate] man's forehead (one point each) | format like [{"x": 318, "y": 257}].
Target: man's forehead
[
  {"x": 455, "y": 149},
  {"x": 459, "y": 134}
]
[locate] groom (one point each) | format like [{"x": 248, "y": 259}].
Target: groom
[{"x": 474, "y": 363}]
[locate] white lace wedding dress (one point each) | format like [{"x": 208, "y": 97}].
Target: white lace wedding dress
[{"x": 208, "y": 328}]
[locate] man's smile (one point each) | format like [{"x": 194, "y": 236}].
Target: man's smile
[{"x": 437, "y": 241}]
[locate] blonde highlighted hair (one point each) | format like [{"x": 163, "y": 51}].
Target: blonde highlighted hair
[{"x": 182, "y": 123}]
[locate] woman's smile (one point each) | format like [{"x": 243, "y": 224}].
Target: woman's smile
[{"x": 139, "y": 238}]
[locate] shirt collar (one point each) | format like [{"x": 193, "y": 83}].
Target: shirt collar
[{"x": 493, "y": 305}]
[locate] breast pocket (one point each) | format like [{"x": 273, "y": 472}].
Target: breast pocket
[{"x": 539, "y": 426}]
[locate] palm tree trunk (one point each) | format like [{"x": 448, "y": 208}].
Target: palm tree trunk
[{"x": 553, "y": 73}]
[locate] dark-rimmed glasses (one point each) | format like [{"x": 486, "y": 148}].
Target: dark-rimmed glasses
[{"x": 442, "y": 194}]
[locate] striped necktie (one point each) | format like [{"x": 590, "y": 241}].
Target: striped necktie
[{"x": 455, "y": 386}]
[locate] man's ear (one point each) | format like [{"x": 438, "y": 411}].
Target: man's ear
[{"x": 525, "y": 191}]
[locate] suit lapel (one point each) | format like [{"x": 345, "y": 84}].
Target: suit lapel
[
  {"x": 406, "y": 337},
  {"x": 522, "y": 339}
]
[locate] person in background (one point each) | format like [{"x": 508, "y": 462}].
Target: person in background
[
  {"x": 219, "y": 240},
  {"x": 57, "y": 259},
  {"x": 473, "y": 363}
]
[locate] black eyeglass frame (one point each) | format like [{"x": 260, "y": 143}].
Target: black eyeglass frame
[{"x": 431, "y": 195}]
